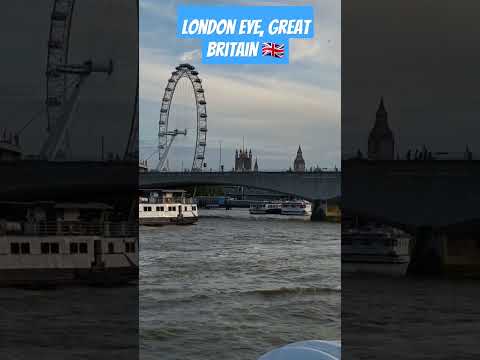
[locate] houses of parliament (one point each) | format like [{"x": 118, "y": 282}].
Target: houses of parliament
[{"x": 244, "y": 161}]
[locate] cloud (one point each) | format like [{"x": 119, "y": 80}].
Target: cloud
[
  {"x": 191, "y": 56},
  {"x": 275, "y": 108},
  {"x": 277, "y": 101}
]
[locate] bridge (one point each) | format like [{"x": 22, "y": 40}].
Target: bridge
[
  {"x": 68, "y": 180},
  {"x": 312, "y": 186},
  {"x": 413, "y": 193}
]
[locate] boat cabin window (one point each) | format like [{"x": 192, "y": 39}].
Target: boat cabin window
[
  {"x": 169, "y": 208},
  {"x": 25, "y": 248},
  {"x": 158, "y": 208},
  {"x": 174, "y": 208},
  {"x": 83, "y": 248},
  {"x": 54, "y": 248},
  {"x": 45, "y": 248},
  {"x": 110, "y": 248},
  {"x": 194, "y": 207},
  {"x": 129, "y": 247},
  {"x": 15, "y": 248},
  {"x": 49, "y": 248},
  {"x": 147, "y": 208},
  {"x": 73, "y": 248}
]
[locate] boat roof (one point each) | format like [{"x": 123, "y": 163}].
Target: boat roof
[
  {"x": 64, "y": 205},
  {"x": 163, "y": 190},
  {"x": 27, "y": 203},
  {"x": 96, "y": 206}
]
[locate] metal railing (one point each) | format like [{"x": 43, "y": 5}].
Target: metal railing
[
  {"x": 71, "y": 228},
  {"x": 250, "y": 173},
  {"x": 161, "y": 200}
]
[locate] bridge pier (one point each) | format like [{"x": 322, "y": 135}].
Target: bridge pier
[
  {"x": 426, "y": 253},
  {"x": 318, "y": 211}
]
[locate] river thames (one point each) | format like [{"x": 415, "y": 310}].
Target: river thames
[{"x": 236, "y": 285}]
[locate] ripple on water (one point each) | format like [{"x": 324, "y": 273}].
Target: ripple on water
[{"x": 234, "y": 286}]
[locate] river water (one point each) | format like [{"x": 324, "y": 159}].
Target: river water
[
  {"x": 235, "y": 285},
  {"x": 69, "y": 323},
  {"x": 410, "y": 318}
]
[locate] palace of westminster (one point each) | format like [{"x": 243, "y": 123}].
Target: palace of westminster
[{"x": 244, "y": 161}]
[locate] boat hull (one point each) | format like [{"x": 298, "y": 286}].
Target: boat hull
[
  {"x": 274, "y": 211},
  {"x": 257, "y": 212},
  {"x": 381, "y": 265},
  {"x": 296, "y": 213},
  {"x": 263, "y": 211},
  {"x": 160, "y": 221}
]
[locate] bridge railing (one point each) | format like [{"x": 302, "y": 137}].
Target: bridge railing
[{"x": 248, "y": 173}]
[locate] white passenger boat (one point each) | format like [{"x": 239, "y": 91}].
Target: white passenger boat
[
  {"x": 379, "y": 250},
  {"x": 165, "y": 207},
  {"x": 265, "y": 207},
  {"x": 48, "y": 243},
  {"x": 296, "y": 207}
]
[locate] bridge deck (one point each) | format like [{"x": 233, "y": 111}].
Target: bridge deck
[{"x": 307, "y": 185}]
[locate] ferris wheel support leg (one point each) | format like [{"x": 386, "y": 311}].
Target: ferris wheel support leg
[
  {"x": 164, "y": 158},
  {"x": 57, "y": 135}
]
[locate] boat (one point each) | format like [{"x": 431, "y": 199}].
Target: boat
[
  {"x": 296, "y": 207},
  {"x": 265, "y": 207},
  {"x": 49, "y": 244},
  {"x": 378, "y": 250},
  {"x": 164, "y": 207}
]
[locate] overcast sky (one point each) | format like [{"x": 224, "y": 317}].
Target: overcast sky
[
  {"x": 275, "y": 108},
  {"x": 422, "y": 56}
]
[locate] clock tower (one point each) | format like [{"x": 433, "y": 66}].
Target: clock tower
[{"x": 381, "y": 144}]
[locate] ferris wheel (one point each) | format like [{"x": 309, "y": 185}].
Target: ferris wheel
[
  {"x": 64, "y": 79},
  {"x": 166, "y": 135}
]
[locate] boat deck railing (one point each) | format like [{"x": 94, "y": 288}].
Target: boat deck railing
[
  {"x": 178, "y": 200},
  {"x": 71, "y": 228}
]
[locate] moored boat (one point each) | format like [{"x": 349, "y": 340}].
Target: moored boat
[
  {"x": 378, "y": 250},
  {"x": 49, "y": 244},
  {"x": 265, "y": 207},
  {"x": 165, "y": 207},
  {"x": 296, "y": 207}
]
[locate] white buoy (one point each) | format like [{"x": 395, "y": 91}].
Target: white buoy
[{"x": 306, "y": 350}]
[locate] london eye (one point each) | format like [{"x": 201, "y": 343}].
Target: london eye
[
  {"x": 168, "y": 130},
  {"x": 64, "y": 81}
]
